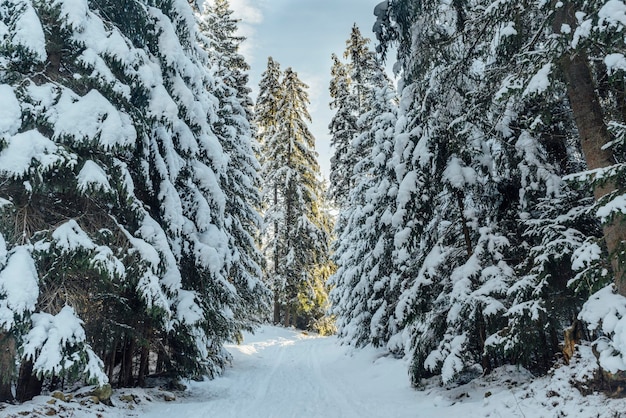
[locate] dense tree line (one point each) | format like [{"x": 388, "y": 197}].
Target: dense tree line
[
  {"x": 129, "y": 192},
  {"x": 486, "y": 214},
  {"x": 131, "y": 202}
]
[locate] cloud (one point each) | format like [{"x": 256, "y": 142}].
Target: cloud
[
  {"x": 247, "y": 11},
  {"x": 250, "y": 15}
]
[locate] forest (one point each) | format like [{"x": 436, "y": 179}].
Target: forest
[{"x": 152, "y": 211}]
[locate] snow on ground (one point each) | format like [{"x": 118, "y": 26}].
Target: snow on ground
[{"x": 285, "y": 373}]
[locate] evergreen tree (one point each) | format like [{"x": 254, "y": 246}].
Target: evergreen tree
[
  {"x": 352, "y": 87},
  {"x": 594, "y": 78},
  {"x": 469, "y": 194},
  {"x": 298, "y": 241},
  {"x": 116, "y": 208},
  {"x": 240, "y": 181},
  {"x": 222, "y": 28},
  {"x": 343, "y": 129},
  {"x": 266, "y": 110},
  {"x": 365, "y": 285}
]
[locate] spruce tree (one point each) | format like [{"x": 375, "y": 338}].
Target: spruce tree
[
  {"x": 292, "y": 190},
  {"x": 365, "y": 287},
  {"x": 594, "y": 79},
  {"x": 343, "y": 129},
  {"x": 222, "y": 28},
  {"x": 116, "y": 209},
  {"x": 240, "y": 181},
  {"x": 352, "y": 89},
  {"x": 266, "y": 110},
  {"x": 468, "y": 194}
]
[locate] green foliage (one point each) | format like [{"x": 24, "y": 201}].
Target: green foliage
[
  {"x": 126, "y": 201},
  {"x": 296, "y": 231},
  {"x": 491, "y": 253}
]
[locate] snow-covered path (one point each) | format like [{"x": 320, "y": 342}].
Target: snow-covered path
[
  {"x": 281, "y": 373},
  {"x": 285, "y": 373}
]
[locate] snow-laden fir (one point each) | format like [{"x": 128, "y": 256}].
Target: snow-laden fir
[
  {"x": 493, "y": 241},
  {"x": 129, "y": 200}
]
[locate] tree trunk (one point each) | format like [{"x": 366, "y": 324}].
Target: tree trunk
[
  {"x": 276, "y": 308},
  {"x": 111, "y": 362},
  {"x": 287, "y": 315},
  {"x": 143, "y": 365},
  {"x": 127, "y": 370},
  {"x": 28, "y": 385},
  {"x": 7, "y": 366},
  {"x": 276, "y": 262},
  {"x": 466, "y": 231},
  {"x": 594, "y": 135}
]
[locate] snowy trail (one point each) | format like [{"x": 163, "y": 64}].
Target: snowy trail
[
  {"x": 280, "y": 373},
  {"x": 285, "y": 373}
]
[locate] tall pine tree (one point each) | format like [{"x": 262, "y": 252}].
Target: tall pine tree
[
  {"x": 240, "y": 181},
  {"x": 295, "y": 236},
  {"x": 352, "y": 89}
]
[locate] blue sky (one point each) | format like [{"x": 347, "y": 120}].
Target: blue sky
[{"x": 303, "y": 34}]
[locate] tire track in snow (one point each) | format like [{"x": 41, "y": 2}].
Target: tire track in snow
[
  {"x": 295, "y": 386},
  {"x": 264, "y": 386},
  {"x": 282, "y": 373},
  {"x": 333, "y": 387}
]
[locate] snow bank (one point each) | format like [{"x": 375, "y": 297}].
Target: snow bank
[{"x": 280, "y": 372}]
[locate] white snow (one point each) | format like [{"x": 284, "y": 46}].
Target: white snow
[
  {"x": 406, "y": 190},
  {"x": 510, "y": 83},
  {"x": 28, "y": 32},
  {"x": 4, "y": 202},
  {"x": 540, "y": 81},
  {"x": 161, "y": 104},
  {"x": 583, "y": 29},
  {"x": 23, "y": 148},
  {"x": 285, "y": 373},
  {"x": 75, "y": 12},
  {"x": 615, "y": 62},
  {"x": 613, "y": 12},
  {"x": 617, "y": 204},
  {"x": 188, "y": 310},
  {"x": 10, "y": 112},
  {"x": 92, "y": 175},
  {"x": 19, "y": 287},
  {"x": 105, "y": 261},
  {"x": 102, "y": 72},
  {"x": 92, "y": 118},
  {"x": 606, "y": 310},
  {"x": 584, "y": 255},
  {"x": 458, "y": 175},
  {"x": 3, "y": 251},
  {"x": 508, "y": 30}
]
